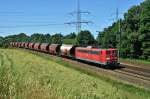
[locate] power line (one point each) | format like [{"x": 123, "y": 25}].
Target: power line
[
  {"x": 9, "y": 12},
  {"x": 79, "y": 20},
  {"x": 27, "y": 14},
  {"x": 20, "y": 26}
]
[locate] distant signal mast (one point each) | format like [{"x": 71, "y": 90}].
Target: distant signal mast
[{"x": 79, "y": 20}]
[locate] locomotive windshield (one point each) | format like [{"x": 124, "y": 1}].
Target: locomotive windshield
[
  {"x": 114, "y": 52},
  {"x": 111, "y": 52}
]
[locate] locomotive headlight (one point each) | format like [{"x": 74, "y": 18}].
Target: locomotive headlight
[{"x": 107, "y": 58}]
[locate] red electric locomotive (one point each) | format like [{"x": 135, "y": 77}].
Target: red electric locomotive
[{"x": 106, "y": 57}]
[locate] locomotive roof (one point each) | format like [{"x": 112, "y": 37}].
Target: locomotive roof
[{"x": 94, "y": 48}]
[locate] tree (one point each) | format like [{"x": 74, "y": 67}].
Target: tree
[
  {"x": 70, "y": 36},
  {"x": 37, "y": 37},
  {"x": 70, "y": 39},
  {"x": 131, "y": 31},
  {"x": 145, "y": 29},
  {"x": 48, "y": 38},
  {"x": 40, "y": 38},
  {"x": 22, "y": 37},
  {"x": 57, "y": 38},
  {"x": 108, "y": 38},
  {"x": 85, "y": 38},
  {"x": 135, "y": 33},
  {"x": 1, "y": 41}
]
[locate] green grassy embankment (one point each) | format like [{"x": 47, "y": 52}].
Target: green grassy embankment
[
  {"x": 27, "y": 76},
  {"x": 135, "y": 62}
]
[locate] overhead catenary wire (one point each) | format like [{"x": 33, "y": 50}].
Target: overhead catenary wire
[{"x": 21, "y": 26}]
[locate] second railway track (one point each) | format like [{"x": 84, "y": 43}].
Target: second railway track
[
  {"x": 138, "y": 68},
  {"x": 136, "y": 71}
]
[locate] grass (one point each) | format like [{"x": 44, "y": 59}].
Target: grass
[
  {"x": 119, "y": 84},
  {"x": 135, "y": 61},
  {"x": 25, "y": 75}
]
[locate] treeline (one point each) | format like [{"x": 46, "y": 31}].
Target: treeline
[
  {"x": 84, "y": 38},
  {"x": 135, "y": 33}
]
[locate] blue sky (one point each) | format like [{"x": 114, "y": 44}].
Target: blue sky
[{"x": 16, "y": 13}]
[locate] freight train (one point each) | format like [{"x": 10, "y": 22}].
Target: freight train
[{"x": 103, "y": 57}]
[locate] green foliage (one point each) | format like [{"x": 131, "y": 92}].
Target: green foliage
[
  {"x": 22, "y": 37},
  {"x": 41, "y": 38},
  {"x": 70, "y": 36},
  {"x": 85, "y": 38},
  {"x": 135, "y": 61},
  {"x": 135, "y": 33},
  {"x": 4, "y": 42},
  {"x": 69, "y": 41},
  {"x": 1, "y": 41},
  {"x": 57, "y": 38},
  {"x": 107, "y": 38}
]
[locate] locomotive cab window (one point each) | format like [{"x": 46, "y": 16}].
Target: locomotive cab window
[
  {"x": 114, "y": 52},
  {"x": 108, "y": 52}
]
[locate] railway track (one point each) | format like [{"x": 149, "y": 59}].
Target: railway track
[
  {"x": 138, "y": 72},
  {"x": 138, "y": 75},
  {"x": 139, "y": 68},
  {"x": 133, "y": 74}
]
